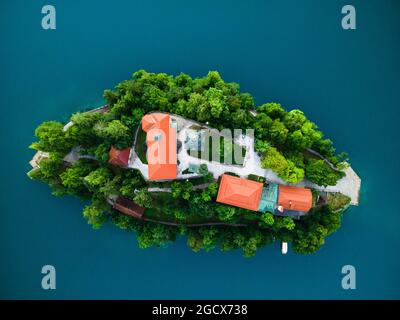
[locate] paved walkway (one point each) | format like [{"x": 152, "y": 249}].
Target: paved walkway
[
  {"x": 39, "y": 155},
  {"x": 136, "y": 163},
  {"x": 154, "y": 189},
  {"x": 75, "y": 155}
]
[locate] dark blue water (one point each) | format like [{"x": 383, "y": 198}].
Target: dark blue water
[{"x": 293, "y": 52}]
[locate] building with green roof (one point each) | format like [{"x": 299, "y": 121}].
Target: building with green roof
[{"x": 269, "y": 198}]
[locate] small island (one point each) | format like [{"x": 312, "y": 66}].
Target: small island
[{"x": 171, "y": 156}]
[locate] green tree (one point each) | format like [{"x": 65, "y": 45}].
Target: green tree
[
  {"x": 211, "y": 79},
  {"x": 284, "y": 222},
  {"x": 130, "y": 122},
  {"x": 49, "y": 172},
  {"x": 111, "y": 97},
  {"x": 182, "y": 189},
  {"x": 156, "y": 99},
  {"x": 51, "y": 167},
  {"x": 115, "y": 133},
  {"x": 143, "y": 198},
  {"x": 298, "y": 141},
  {"x": 73, "y": 178},
  {"x": 179, "y": 214},
  {"x": 240, "y": 118},
  {"x": 137, "y": 114},
  {"x": 297, "y": 157},
  {"x": 294, "y": 120},
  {"x": 253, "y": 239},
  {"x": 96, "y": 213},
  {"x": 202, "y": 238},
  {"x": 310, "y": 240},
  {"x": 152, "y": 234},
  {"x": 210, "y": 237},
  {"x": 319, "y": 172},
  {"x": 267, "y": 219},
  {"x": 124, "y": 221},
  {"x": 325, "y": 147},
  {"x": 101, "y": 153},
  {"x": 216, "y": 102},
  {"x": 292, "y": 174},
  {"x": 196, "y": 103},
  {"x": 121, "y": 107},
  {"x": 325, "y": 216},
  {"x": 209, "y": 193},
  {"x": 183, "y": 80},
  {"x": 343, "y": 156},
  {"x": 278, "y": 132},
  {"x": 98, "y": 179},
  {"x": 51, "y": 138},
  {"x": 262, "y": 124},
  {"x": 246, "y": 99},
  {"x": 310, "y": 132},
  {"x": 129, "y": 185},
  {"x": 82, "y": 129},
  {"x": 227, "y": 239},
  {"x": 274, "y": 160},
  {"x": 194, "y": 240},
  {"x": 111, "y": 187},
  {"x": 176, "y": 189},
  {"x": 261, "y": 146},
  {"x": 273, "y": 110},
  {"x": 225, "y": 212}
]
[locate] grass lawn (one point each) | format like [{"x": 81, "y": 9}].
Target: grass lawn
[{"x": 220, "y": 151}]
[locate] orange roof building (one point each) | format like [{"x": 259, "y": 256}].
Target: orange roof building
[
  {"x": 239, "y": 192},
  {"x": 294, "y": 198},
  {"x": 119, "y": 157},
  {"x": 161, "y": 146}
]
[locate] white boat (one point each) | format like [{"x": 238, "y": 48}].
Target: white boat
[{"x": 284, "y": 247}]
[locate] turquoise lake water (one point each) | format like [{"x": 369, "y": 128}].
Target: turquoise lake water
[{"x": 293, "y": 52}]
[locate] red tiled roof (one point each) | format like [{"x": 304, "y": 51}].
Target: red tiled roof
[
  {"x": 294, "y": 198},
  {"x": 119, "y": 157},
  {"x": 128, "y": 207},
  {"x": 161, "y": 146},
  {"x": 239, "y": 192}
]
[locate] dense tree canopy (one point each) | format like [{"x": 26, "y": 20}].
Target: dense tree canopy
[
  {"x": 318, "y": 172},
  {"x": 52, "y": 138},
  {"x": 284, "y": 140}
]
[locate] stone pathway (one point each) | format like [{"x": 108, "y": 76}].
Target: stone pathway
[{"x": 136, "y": 163}]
